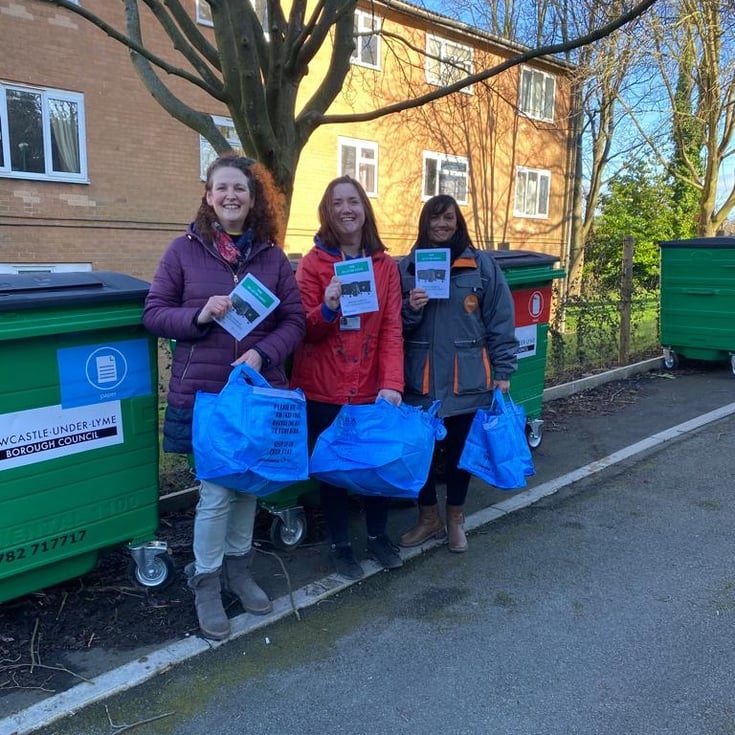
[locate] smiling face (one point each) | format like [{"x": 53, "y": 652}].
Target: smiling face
[
  {"x": 442, "y": 226},
  {"x": 230, "y": 197},
  {"x": 348, "y": 214}
]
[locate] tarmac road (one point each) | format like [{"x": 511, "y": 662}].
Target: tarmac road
[{"x": 606, "y": 606}]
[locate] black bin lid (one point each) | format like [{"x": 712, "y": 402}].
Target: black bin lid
[
  {"x": 700, "y": 242},
  {"x": 522, "y": 258},
  {"x": 44, "y": 290}
]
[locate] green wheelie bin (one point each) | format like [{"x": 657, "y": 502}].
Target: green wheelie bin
[
  {"x": 530, "y": 276},
  {"x": 698, "y": 300},
  {"x": 78, "y": 429}
]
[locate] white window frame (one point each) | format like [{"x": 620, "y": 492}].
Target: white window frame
[
  {"x": 450, "y": 67},
  {"x": 204, "y": 13},
  {"x": 440, "y": 159},
  {"x": 537, "y": 94},
  {"x": 531, "y": 184},
  {"x": 47, "y": 95},
  {"x": 362, "y": 162},
  {"x": 207, "y": 154},
  {"x": 17, "y": 268},
  {"x": 367, "y": 26}
]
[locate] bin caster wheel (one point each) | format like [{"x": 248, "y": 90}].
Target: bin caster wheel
[
  {"x": 732, "y": 363},
  {"x": 671, "y": 360},
  {"x": 157, "y": 573},
  {"x": 288, "y": 533},
  {"x": 534, "y": 434}
]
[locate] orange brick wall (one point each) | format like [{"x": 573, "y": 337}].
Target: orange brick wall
[{"x": 144, "y": 184}]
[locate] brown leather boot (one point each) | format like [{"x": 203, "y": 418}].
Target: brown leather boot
[
  {"x": 430, "y": 525},
  {"x": 455, "y": 527}
]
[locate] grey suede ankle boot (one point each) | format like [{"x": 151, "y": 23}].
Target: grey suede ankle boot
[
  {"x": 207, "y": 589},
  {"x": 239, "y": 581}
]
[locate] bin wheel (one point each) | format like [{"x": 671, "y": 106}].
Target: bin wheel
[
  {"x": 671, "y": 360},
  {"x": 534, "y": 438},
  {"x": 158, "y": 573},
  {"x": 732, "y": 363},
  {"x": 289, "y": 536}
]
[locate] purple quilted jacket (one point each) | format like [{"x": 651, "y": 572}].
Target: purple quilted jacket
[{"x": 188, "y": 274}]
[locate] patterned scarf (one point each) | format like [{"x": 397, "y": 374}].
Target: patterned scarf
[{"x": 233, "y": 251}]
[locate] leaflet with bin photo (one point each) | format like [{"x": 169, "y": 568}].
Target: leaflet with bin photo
[
  {"x": 251, "y": 303},
  {"x": 359, "y": 293},
  {"x": 432, "y": 272}
]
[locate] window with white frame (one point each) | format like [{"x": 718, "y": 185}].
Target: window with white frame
[
  {"x": 367, "y": 40},
  {"x": 42, "y": 134},
  {"x": 537, "y": 94},
  {"x": 444, "y": 174},
  {"x": 204, "y": 12},
  {"x": 532, "y": 193},
  {"x": 447, "y": 61},
  {"x": 359, "y": 159},
  {"x": 207, "y": 154}
]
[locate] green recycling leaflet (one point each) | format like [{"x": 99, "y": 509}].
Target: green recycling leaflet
[
  {"x": 251, "y": 303},
  {"x": 359, "y": 294},
  {"x": 432, "y": 272}
]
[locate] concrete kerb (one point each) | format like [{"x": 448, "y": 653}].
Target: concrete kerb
[
  {"x": 592, "y": 381},
  {"x": 137, "y": 672}
]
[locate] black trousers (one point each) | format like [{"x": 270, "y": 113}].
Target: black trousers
[
  {"x": 335, "y": 501},
  {"x": 448, "y": 451}
]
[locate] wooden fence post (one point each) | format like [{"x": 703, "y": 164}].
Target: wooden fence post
[{"x": 626, "y": 299}]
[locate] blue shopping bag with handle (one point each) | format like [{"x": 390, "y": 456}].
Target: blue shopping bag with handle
[
  {"x": 496, "y": 449},
  {"x": 250, "y": 436},
  {"x": 378, "y": 448}
]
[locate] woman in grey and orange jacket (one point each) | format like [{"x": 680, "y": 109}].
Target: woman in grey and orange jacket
[
  {"x": 355, "y": 359},
  {"x": 457, "y": 351}
]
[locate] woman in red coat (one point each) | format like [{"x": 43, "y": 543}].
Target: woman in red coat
[{"x": 354, "y": 359}]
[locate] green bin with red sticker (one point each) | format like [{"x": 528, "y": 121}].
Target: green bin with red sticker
[
  {"x": 530, "y": 276},
  {"x": 78, "y": 429}
]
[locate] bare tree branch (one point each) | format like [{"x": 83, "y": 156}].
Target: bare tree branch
[{"x": 521, "y": 58}]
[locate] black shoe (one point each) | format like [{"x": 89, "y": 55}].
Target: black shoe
[
  {"x": 385, "y": 551},
  {"x": 344, "y": 561}
]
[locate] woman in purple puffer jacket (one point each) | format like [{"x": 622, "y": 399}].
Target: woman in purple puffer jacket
[{"x": 233, "y": 235}]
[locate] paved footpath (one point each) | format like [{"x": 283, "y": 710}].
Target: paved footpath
[{"x": 600, "y": 600}]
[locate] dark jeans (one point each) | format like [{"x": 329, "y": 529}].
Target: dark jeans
[
  {"x": 448, "y": 451},
  {"x": 335, "y": 500}
]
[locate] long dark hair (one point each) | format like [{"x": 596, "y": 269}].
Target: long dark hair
[
  {"x": 438, "y": 205},
  {"x": 261, "y": 218},
  {"x": 370, "y": 239}
]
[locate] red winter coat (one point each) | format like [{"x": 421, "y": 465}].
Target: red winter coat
[{"x": 337, "y": 366}]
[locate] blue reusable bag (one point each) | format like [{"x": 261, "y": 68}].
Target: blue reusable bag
[
  {"x": 378, "y": 449},
  {"x": 250, "y": 436},
  {"x": 496, "y": 449}
]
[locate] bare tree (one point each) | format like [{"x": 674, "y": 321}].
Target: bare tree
[
  {"x": 602, "y": 72},
  {"x": 693, "y": 101},
  {"x": 257, "y": 72}
]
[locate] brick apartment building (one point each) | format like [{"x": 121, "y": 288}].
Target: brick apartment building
[{"x": 94, "y": 174}]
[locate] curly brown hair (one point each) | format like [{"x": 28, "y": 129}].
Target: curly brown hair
[{"x": 262, "y": 218}]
